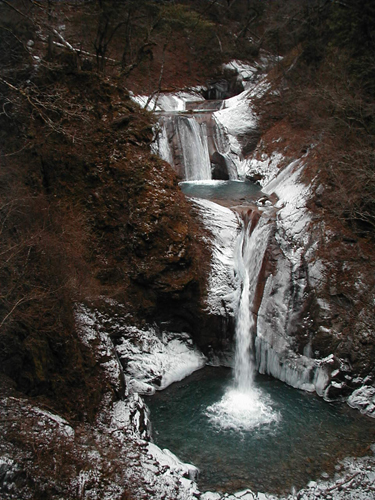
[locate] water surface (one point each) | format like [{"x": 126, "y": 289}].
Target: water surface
[
  {"x": 307, "y": 438},
  {"x": 221, "y": 190}
]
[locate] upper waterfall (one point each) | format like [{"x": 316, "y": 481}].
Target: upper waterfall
[{"x": 192, "y": 141}]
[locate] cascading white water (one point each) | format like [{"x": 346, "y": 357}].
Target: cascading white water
[
  {"x": 243, "y": 366},
  {"x": 248, "y": 259},
  {"x": 194, "y": 148},
  {"x": 243, "y": 406}
]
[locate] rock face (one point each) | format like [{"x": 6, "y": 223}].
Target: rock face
[
  {"x": 300, "y": 339},
  {"x": 364, "y": 400},
  {"x": 217, "y": 328},
  {"x": 283, "y": 327}
]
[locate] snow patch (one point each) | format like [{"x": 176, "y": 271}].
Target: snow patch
[
  {"x": 237, "y": 116},
  {"x": 168, "y": 102},
  {"x": 363, "y": 399},
  {"x": 64, "y": 426},
  {"x": 168, "y": 459},
  {"x": 246, "y": 72},
  {"x": 267, "y": 167},
  {"x": 154, "y": 362}
]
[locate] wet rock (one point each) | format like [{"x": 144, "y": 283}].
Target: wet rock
[
  {"x": 222, "y": 88},
  {"x": 219, "y": 167},
  {"x": 254, "y": 177},
  {"x": 337, "y": 391},
  {"x": 219, "y": 172}
]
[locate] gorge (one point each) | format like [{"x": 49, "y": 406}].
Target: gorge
[
  {"x": 244, "y": 412},
  {"x": 187, "y": 253}
]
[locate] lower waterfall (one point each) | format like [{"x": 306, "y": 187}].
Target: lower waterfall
[
  {"x": 248, "y": 258},
  {"x": 244, "y": 406}
]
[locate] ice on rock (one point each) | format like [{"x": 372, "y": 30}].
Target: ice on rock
[
  {"x": 168, "y": 459},
  {"x": 274, "y": 347},
  {"x": 223, "y": 225},
  {"x": 293, "y": 217},
  {"x": 160, "y": 146},
  {"x": 209, "y": 495},
  {"x": 246, "y": 72},
  {"x": 140, "y": 387},
  {"x": 237, "y": 118},
  {"x": 267, "y": 167},
  {"x": 245, "y": 495},
  {"x": 187, "y": 470},
  {"x": 363, "y": 399},
  {"x": 296, "y": 370},
  {"x": 154, "y": 362},
  {"x": 151, "y": 360}
]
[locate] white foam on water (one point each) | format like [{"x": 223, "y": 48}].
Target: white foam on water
[{"x": 242, "y": 411}]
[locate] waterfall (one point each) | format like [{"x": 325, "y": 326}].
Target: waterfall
[
  {"x": 183, "y": 142},
  {"x": 249, "y": 254},
  {"x": 222, "y": 147},
  {"x": 244, "y": 406},
  {"x": 195, "y": 143},
  {"x": 194, "y": 148}
]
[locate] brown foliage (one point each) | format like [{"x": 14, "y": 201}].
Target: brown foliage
[
  {"x": 42, "y": 272},
  {"x": 86, "y": 211},
  {"x": 335, "y": 115}
]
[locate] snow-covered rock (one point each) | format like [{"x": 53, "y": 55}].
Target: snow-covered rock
[
  {"x": 156, "y": 361},
  {"x": 168, "y": 102},
  {"x": 149, "y": 359},
  {"x": 238, "y": 121},
  {"x": 96, "y": 338},
  {"x": 247, "y": 73},
  {"x": 168, "y": 459},
  {"x": 363, "y": 399},
  {"x": 286, "y": 286},
  {"x": 266, "y": 168},
  {"x": 223, "y": 225}
]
